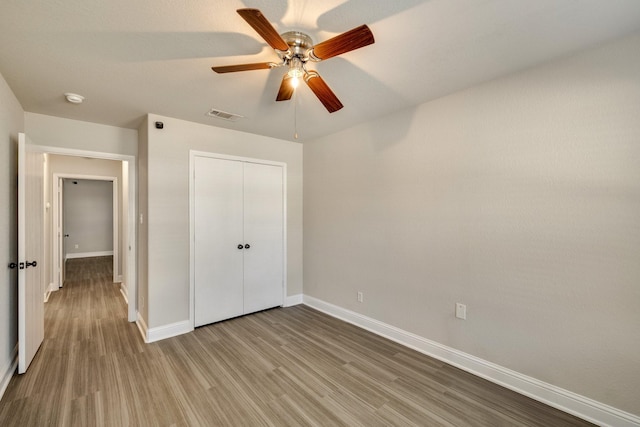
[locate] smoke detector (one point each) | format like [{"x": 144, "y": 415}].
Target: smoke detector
[{"x": 74, "y": 98}]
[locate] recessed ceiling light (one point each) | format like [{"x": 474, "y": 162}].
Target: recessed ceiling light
[{"x": 74, "y": 98}]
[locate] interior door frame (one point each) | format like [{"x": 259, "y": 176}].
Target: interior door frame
[
  {"x": 192, "y": 283},
  {"x": 56, "y": 234},
  {"x": 129, "y": 229}
]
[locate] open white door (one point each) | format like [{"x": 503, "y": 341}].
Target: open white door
[{"x": 30, "y": 254}]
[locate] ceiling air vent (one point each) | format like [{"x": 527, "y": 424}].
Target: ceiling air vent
[{"x": 223, "y": 115}]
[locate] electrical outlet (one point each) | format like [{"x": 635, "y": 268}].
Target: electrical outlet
[
  {"x": 360, "y": 297},
  {"x": 461, "y": 311},
  {"x": 77, "y": 246}
]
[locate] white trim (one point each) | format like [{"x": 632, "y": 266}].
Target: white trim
[
  {"x": 284, "y": 232},
  {"x": 118, "y": 279},
  {"x": 8, "y": 371},
  {"x": 22, "y": 296},
  {"x": 565, "y": 400},
  {"x": 192, "y": 240},
  {"x": 47, "y": 293},
  {"x": 196, "y": 153},
  {"x": 142, "y": 327},
  {"x": 123, "y": 291},
  {"x": 129, "y": 163},
  {"x": 292, "y": 300},
  {"x": 168, "y": 331},
  {"x": 115, "y": 227},
  {"x": 89, "y": 254},
  {"x": 192, "y": 285},
  {"x": 150, "y": 335},
  {"x": 53, "y": 287}
]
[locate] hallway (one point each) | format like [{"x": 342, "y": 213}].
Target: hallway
[{"x": 83, "y": 357}]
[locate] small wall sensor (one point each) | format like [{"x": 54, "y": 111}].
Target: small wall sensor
[{"x": 159, "y": 125}]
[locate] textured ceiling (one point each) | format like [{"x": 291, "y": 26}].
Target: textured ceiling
[{"x": 132, "y": 57}]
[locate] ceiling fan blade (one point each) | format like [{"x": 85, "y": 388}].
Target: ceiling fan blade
[
  {"x": 322, "y": 91},
  {"x": 244, "y": 67},
  {"x": 345, "y": 42},
  {"x": 263, "y": 27},
  {"x": 286, "y": 89}
]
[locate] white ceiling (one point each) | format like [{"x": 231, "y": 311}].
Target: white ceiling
[{"x": 132, "y": 57}]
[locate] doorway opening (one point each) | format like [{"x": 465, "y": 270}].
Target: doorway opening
[
  {"x": 35, "y": 215},
  {"x": 86, "y": 222},
  {"x": 86, "y": 167}
]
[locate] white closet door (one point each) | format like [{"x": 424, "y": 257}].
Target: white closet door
[
  {"x": 218, "y": 232},
  {"x": 263, "y": 231}
]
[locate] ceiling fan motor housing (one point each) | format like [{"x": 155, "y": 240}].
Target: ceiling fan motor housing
[{"x": 299, "y": 44}]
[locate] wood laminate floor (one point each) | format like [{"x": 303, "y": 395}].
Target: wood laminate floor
[{"x": 283, "y": 367}]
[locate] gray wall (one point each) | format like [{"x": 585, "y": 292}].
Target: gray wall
[
  {"x": 78, "y": 135},
  {"x": 88, "y": 216},
  {"x": 519, "y": 198},
  {"x": 11, "y": 122},
  {"x": 167, "y": 198}
]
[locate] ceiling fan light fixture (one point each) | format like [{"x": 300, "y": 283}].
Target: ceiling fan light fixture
[
  {"x": 296, "y": 68},
  {"x": 296, "y": 71}
]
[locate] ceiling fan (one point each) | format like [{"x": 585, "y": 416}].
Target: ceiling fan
[{"x": 295, "y": 49}]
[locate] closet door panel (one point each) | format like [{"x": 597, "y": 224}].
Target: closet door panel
[
  {"x": 263, "y": 231},
  {"x": 218, "y": 232}
]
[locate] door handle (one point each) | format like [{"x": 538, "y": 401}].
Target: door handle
[
  {"x": 32, "y": 264},
  {"x": 13, "y": 265},
  {"x": 240, "y": 246},
  {"x": 66, "y": 235},
  {"x": 247, "y": 246}
]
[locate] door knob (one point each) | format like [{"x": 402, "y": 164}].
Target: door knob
[
  {"x": 31, "y": 264},
  {"x": 240, "y": 246},
  {"x": 247, "y": 246},
  {"x": 13, "y": 265}
]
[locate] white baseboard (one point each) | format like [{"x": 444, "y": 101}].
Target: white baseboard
[
  {"x": 142, "y": 326},
  {"x": 123, "y": 291},
  {"x": 89, "y": 254},
  {"x": 8, "y": 370},
  {"x": 292, "y": 300},
  {"x": 567, "y": 401},
  {"x": 118, "y": 279},
  {"x": 162, "y": 332},
  {"x": 168, "y": 331},
  {"x": 51, "y": 288}
]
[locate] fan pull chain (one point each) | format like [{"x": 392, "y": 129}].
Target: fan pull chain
[{"x": 295, "y": 114}]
